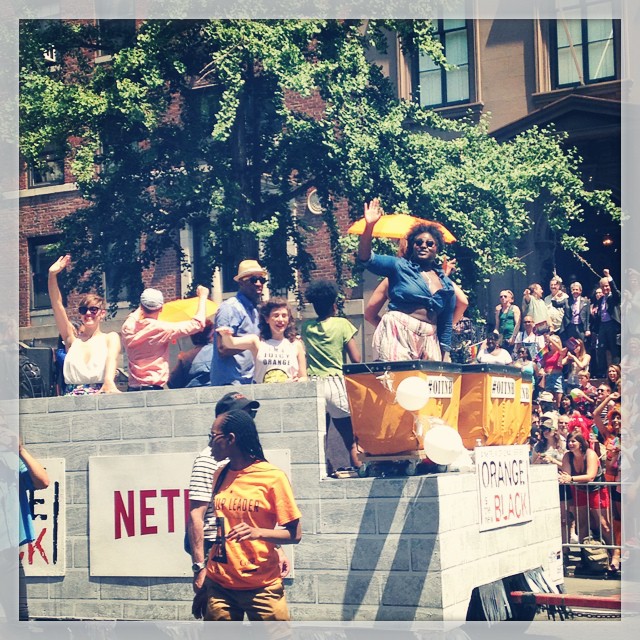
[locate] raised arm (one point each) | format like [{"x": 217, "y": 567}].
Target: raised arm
[
  {"x": 372, "y": 213},
  {"x": 603, "y": 427},
  {"x": 376, "y": 302},
  {"x": 65, "y": 328},
  {"x": 201, "y": 312}
]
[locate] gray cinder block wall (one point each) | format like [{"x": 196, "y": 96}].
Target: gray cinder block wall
[{"x": 403, "y": 548}]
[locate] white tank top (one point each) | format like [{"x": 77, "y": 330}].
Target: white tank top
[
  {"x": 85, "y": 361},
  {"x": 277, "y": 361}
]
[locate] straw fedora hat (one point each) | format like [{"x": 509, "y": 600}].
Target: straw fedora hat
[{"x": 249, "y": 268}]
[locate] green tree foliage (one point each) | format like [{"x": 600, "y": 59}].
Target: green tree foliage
[{"x": 204, "y": 122}]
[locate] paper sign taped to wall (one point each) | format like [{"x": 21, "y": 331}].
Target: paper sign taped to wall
[{"x": 45, "y": 556}]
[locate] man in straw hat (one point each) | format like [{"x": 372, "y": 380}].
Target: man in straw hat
[
  {"x": 146, "y": 338},
  {"x": 234, "y": 366}
]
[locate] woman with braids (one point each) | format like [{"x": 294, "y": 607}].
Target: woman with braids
[
  {"x": 251, "y": 497},
  {"x": 422, "y": 299},
  {"x": 278, "y": 352}
]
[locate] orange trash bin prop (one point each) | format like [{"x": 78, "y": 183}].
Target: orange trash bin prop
[
  {"x": 491, "y": 406},
  {"x": 381, "y": 426}
]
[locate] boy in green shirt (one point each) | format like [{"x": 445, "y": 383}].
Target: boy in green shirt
[{"x": 326, "y": 339}]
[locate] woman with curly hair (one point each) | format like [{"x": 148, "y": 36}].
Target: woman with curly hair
[
  {"x": 278, "y": 352},
  {"x": 422, "y": 299}
]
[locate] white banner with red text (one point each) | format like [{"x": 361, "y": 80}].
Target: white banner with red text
[
  {"x": 503, "y": 485},
  {"x": 138, "y": 509}
]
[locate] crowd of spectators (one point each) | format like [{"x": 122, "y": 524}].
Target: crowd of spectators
[{"x": 576, "y": 424}]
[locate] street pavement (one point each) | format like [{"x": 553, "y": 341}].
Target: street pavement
[{"x": 590, "y": 585}]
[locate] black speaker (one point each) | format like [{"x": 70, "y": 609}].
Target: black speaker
[{"x": 43, "y": 357}]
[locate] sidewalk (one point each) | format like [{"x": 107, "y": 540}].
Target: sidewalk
[{"x": 603, "y": 585}]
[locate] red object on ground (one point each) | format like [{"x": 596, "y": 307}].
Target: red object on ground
[{"x": 568, "y": 600}]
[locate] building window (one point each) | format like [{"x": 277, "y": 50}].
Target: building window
[
  {"x": 42, "y": 254},
  {"x": 48, "y": 171},
  {"x": 200, "y": 251},
  {"x": 114, "y": 35},
  {"x": 438, "y": 87},
  {"x": 582, "y": 52},
  {"x": 110, "y": 289}
]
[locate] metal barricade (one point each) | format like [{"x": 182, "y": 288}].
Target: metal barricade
[{"x": 579, "y": 520}]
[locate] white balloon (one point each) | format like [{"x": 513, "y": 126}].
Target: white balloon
[
  {"x": 413, "y": 393},
  {"x": 442, "y": 444}
]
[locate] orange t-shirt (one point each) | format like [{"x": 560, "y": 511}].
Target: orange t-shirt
[{"x": 261, "y": 496}]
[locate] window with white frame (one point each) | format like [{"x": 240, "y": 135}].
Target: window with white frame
[
  {"x": 436, "y": 86},
  {"x": 49, "y": 170},
  {"x": 42, "y": 254},
  {"x": 583, "y": 51}
]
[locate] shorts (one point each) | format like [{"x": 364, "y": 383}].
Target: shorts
[
  {"x": 598, "y": 497},
  {"x": 400, "y": 336},
  {"x": 553, "y": 382},
  {"x": 265, "y": 603},
  {"x": 335, "y": 395},
  {"x": 82, "y": 389}
]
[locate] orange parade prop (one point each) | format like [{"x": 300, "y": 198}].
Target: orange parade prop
[
  {"x": 397, "y": 226},
  {"x": 184, "y": 309}
]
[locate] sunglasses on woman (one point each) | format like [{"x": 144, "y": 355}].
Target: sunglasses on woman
[
  {"x": 419, "y": 242},
  {"x": 85, "y": 310}
]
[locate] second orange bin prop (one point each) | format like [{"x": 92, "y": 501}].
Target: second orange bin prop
[
  {"x": 381, "y": 426},
  {"x": 494, "y": 407}
]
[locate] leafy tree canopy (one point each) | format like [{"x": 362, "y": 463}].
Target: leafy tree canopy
[{"x": 206, "y": 122}]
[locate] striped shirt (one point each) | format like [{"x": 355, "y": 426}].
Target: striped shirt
[{"x": 201, "y": 487}]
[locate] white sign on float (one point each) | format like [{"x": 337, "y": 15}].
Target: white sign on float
[
  {"x": 440, "y": 386},
  {"x": 502, "y": 474},
  {"x": 504, "y": 388},
  {"x": 45, "y": 556},
  {"x": 138, "y": 509}
]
